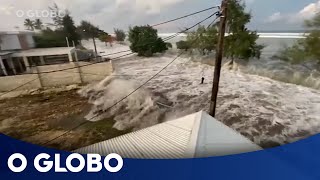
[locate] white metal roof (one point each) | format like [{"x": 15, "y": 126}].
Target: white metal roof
[
  {"x": 196, "y": 135},
  {"x": 44, "y": 51}
]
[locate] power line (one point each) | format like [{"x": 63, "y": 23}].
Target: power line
[
  {"x": 166, "y": 39},
  {"x": 178, "y": 33},
  {"x": 169, "y": 21},
  {"x": 182, "y": 17},
  {"x": 119, "y": 101},
  {"x": 187, "y": 29}
]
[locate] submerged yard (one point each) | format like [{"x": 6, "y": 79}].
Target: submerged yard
[{"x": 40, "y": 118}]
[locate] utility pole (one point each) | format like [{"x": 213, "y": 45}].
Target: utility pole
[
  {"x": 94, "y": 42},
  {"x": 219, "y": 54},
  {"x": 95, "y": 47}
]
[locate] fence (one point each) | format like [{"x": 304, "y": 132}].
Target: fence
[{"x": 77, "y": 73}]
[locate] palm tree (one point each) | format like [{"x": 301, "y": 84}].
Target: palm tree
[
  {"x": 38, "y": 24},
  {"x": 29, "y": 24}
]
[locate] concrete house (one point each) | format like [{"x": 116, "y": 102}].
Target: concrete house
[
  {"x": 10, "y": 42},
  {"x": 18, "y": 53}
]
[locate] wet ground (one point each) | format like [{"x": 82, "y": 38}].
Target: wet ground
[{"x": 40, "y": 118}]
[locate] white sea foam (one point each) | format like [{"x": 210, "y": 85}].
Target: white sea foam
[{"x": 267, "y": 111}]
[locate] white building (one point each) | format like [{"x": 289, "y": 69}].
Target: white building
[
  {"x": 193, "y": 136},
  {"x": 16, "y": 40},
  {"x": 18, "y": 53}
]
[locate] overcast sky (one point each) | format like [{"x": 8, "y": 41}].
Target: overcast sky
[{"x": 109, "y": 14}]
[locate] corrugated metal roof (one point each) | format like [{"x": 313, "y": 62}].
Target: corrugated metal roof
[
  {"x": 216, "y": 139},
  {"x": 196, "y": 135}
]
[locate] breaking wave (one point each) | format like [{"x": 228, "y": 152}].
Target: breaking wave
[
  {"x": 137, "y": 111},
  {"x": 260, "y": 98}
]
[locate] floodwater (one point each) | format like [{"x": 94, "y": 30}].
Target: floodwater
[{"x": 268, "y": 111}]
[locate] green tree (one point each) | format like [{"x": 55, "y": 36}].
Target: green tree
[
  {"x": 120, "y": 35},
  {"x": 38, "y": 24},
  {"x": 169, "y": 45},
  {"x": 312, "y": 42},
  {"x": 28, "y": 23},
  {"x": 203, "y": 39},
  {"x": 145, "y": 41},
  {"x": 104, "y": 37},
  {"x": 69, "y": 29},
  {"x": 56, "y": 18},
  {"x": 183, "y": 45},
  {"x": 304, "y": 49},
  {"x": 241, "y": 42},
  {"x": 50, "y": 38},
  {"x": 88, "y": 30}
]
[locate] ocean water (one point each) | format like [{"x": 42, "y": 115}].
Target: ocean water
[
  {"x": 273, "y": 41},
  {"x": 306, "y": 75}
]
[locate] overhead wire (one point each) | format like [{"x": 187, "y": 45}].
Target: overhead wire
[
  {"x": 128, "y": 54},
  {"x": 135, "y": 90}
]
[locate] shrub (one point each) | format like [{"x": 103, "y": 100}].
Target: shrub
[
  {"x": 169, "y": 45},
  {"x": 145, "y": 41},
  {"x": 183, "y": 45},
  {"x": 120, "y": 35}
]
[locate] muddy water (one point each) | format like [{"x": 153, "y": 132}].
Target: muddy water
[{"x": 267, "y": 111}]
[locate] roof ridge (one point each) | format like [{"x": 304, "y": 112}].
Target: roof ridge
[{"x": 191, "y": 148}]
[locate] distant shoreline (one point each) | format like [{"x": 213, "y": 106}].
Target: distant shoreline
[{"x": 284, "y": 35}]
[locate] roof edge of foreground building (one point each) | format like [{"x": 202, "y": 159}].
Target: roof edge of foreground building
[{"x": 193, "y": 136}]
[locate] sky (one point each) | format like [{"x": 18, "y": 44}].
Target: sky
[{"x": 268, "y": 15}]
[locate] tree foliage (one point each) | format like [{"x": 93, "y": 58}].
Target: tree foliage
[
  {"x": 145, "y": 41},
  {"x": 88, "y": 30},
  {"x": 169, "y": 45},
  {"x": 28, "y": 23},
  {"x": 50, "y": 38},
  {"x": 56, "y": 18},
  {"x": 63, "y": 27},
  {"x": 104, "y": 37},
  {"x": 120, "y": 35},
  {"x": 69, "y": 29},
  {"x": 38, "y": 25},
  {"x": 241, "y": 42},
  {"x": 304, "y": 49},
  {"x": 183, "y": 45},
  {"x": 203, "y": 39}
]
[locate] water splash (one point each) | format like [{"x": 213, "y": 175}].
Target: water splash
[{"x": 137, "y": 111}]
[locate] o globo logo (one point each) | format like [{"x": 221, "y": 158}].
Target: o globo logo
[{"x": 94, "y": 163}]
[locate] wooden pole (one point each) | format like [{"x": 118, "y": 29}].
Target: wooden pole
[
  {"x": 217, "y": 68},
  {"x": 95, "y": 47}
]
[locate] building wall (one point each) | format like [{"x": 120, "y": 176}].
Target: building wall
[
  {"x": 8, "y": 83},
  {"x": 30, "y": 40},
  {"x": 10, "y": 42},
  {"x": 59, "y": 78},
  {"x": 87, "y": 74},
  {"x": 95, "y": 72}
]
